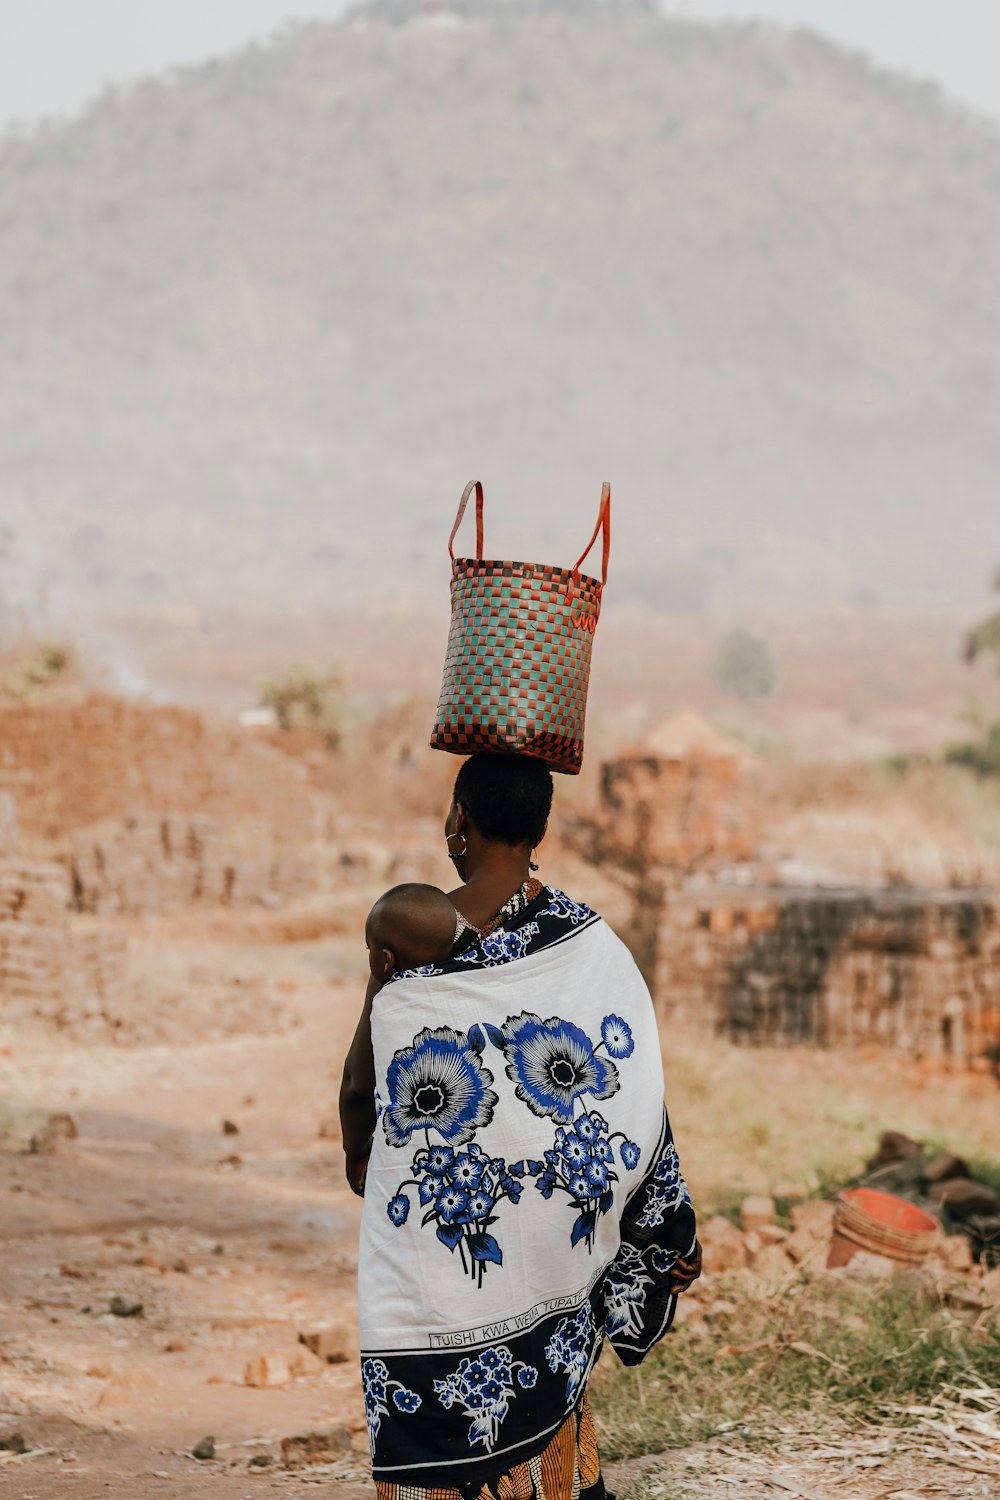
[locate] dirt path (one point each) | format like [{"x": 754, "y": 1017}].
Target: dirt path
[{"x": 232, "y": 1243}]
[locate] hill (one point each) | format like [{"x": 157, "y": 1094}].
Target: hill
[{"x": 262, "y": 318}]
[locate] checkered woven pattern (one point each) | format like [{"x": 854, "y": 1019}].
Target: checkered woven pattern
[{"x": 518, "y": 661}]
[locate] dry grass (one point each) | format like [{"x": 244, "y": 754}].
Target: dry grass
[
  {"x": 851, "y": 1355},
  {"x": 761, "y": 1119},
  {"x": 904, "y": 823}
]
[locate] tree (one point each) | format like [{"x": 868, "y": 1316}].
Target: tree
[
  {"x": 305, "y": 699},
  {"x": 744, "y": 666},
  {"x": 985, "y": 636},
  {"x": 982, "y": 756}
]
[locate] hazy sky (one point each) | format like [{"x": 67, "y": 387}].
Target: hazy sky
[{"x": 56, "y": 54}]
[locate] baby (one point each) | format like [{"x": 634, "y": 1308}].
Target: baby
[{"x": 410, "y": 926}]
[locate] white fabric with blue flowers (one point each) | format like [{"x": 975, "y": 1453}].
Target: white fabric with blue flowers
[{"x": 519, "y": 1091}]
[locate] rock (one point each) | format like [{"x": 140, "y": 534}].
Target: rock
[
  {"x": 722, "y": 1246},
  {"x": 864, "y": 1265},
  {"x": 965, "y": 1297},
  {"x": 303, "y": 1361},
  {"x": 204, "y": 1450},
  {"x": 13, "y": 1442},
  {"x": 260, "y": 1461},
  {"x": 756, "y": 1212},
  {"x": 945, "y": 1166},
  {"x": 962, "y": 1197},
  {"x": 989, "y": 1289},
  {"x": 329, "y": 1128},
  {"x": 57, "y": 1129},
  {"x": 315, "y": 1447},
  {"x": 928, "y": 1280},
  {"x": 230, "y": 1127},
  {"x": 268, "y": 1371},
  {"x": 813, "y": 1219},
  {"x": 331, "y": 1342},
  {"x": 893, "y": 1147},
  {"x": 125, "y": 1307},
  {"x": 771, "y": 1265},
  {"x": 174, "y": 1346},
  {"x": 773, "y": 1234},
  {"x": 954, "y": 1252},
  {"x": 121, "y": 1389}
]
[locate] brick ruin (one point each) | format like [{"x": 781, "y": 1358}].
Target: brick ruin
[
  {"x": 918, "y": 971},
  {"x": 52, "y": 964},
  {"x": 79, "y": 759},
  {"x": 161, "y": 863},
  {"x": 77, "y": 778},
  {"x": 772, "y": 964}
]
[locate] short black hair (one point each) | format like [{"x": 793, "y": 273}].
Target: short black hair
[{"x": 508, "y": 797}]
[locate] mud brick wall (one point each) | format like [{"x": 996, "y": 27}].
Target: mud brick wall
[
  {"x": 916, "y": 971},
  {"x": 72, "y": 762},
  {"x": 676, "y": 812},
  {"x": 163, "y": 862},
  {"x": 52, "y": 966}
]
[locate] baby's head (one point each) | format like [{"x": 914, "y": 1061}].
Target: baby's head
[{"x": 409, "y": 926}]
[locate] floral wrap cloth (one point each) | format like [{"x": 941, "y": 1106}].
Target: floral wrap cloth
[{"x": 524, "y": 1200}]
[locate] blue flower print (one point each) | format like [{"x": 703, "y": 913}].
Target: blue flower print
[
  {"x": 501, "y": 947},
  {"x": 483, "y": 1387},
  {"x": 629, "y": 1153},
  {"x": 553, "y": 1064},
  {"x": 561, "y": 906},
  {"x": 570, "y": 1348},
  {"x": 375, "y": 1384},
  {"x": 451, "y": 1203},
  {"x": 597, "y": 1175},
  {"x": 576, "y": 1152},
  {"x": 581, "y": 1164},
  {"x": 399, "y": 1209},
  {"x": 625, "y": 1292},
  {"x": 616, "y": 1035},
  {"x": 663, "y": 1260},
  {"x": 667, "y": 1191},
  {"x": 468, "y": 1171},
  {"x": 459, "y": 1193},
  {"x": 437, "y": 1084},
  {"x": 430, "y": 1188}
]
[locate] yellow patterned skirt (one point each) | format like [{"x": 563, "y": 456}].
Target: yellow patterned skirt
[{"x": 568, "y": 1468}]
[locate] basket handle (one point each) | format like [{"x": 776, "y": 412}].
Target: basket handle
[
  {"x": 477, "y": 485},
  {"x": 603, "y": 523}
]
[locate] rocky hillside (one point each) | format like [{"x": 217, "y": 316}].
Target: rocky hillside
[{"x": 261, "y": 319}]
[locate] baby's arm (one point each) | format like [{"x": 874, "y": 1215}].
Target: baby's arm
[{"x": 357, "y": 1097}]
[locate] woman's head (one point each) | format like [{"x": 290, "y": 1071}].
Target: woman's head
[{"x": 500, "y": 800}]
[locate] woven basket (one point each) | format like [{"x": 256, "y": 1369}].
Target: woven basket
[{"x": 518, "y": 660}]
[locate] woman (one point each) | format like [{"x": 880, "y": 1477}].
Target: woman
[{"x": 503, "y": 1117}]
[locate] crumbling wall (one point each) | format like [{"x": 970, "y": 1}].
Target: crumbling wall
[
  {"x": 52, "y": 965},
  {"x": 84, "y": 759},
  {"x": 161, "y": 863},
  {"x": 917, "y": 971}
]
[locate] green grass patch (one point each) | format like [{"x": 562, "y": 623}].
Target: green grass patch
[{"x": 861, "y": 1349}]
